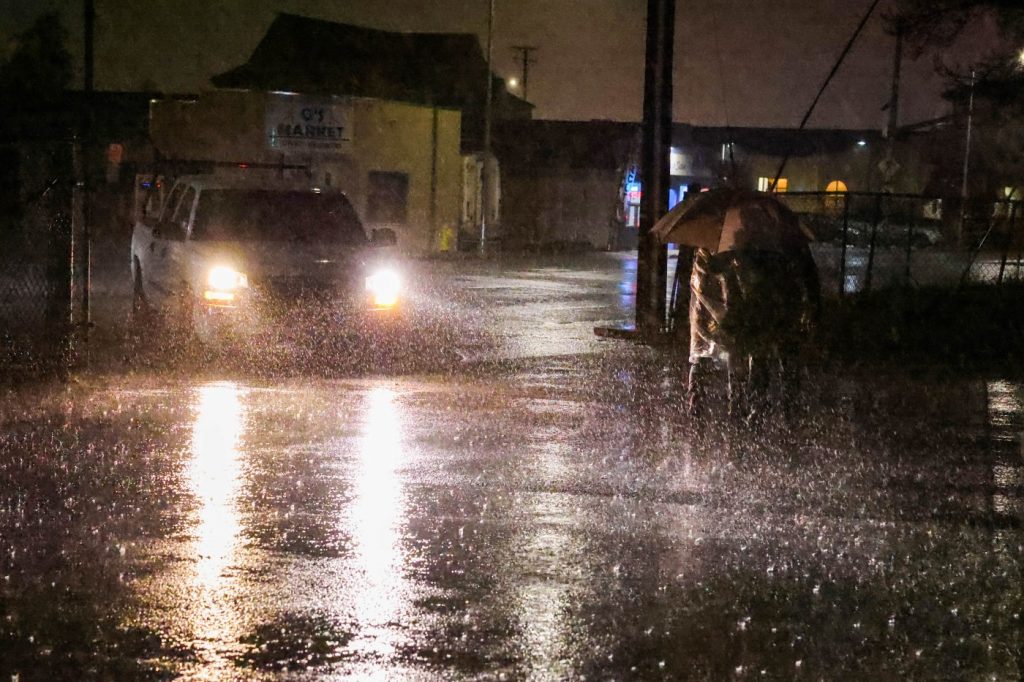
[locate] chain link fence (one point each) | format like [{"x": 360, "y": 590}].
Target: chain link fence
[
  {"x": 36, "y": 258},
  {"x": 870, "y": 241}
]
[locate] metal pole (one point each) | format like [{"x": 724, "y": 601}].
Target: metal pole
[
  {"x": 842, "y": 253},
  {"x": 652, "y": 258},
  {"x": 485, "y": 175},
  {"x": 967, "y": 157},
  {"x": 433, "y": 176},
  {"x": 1020, "y": 253},
  {"x": 871, "y": 243},
  {"x": 909, "y": 247},
  {"x": 89, "y": 14},
  {"x": 1006, "y": 241}
]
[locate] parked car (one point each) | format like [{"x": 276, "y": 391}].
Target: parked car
[{"x": 225, "y": 252}]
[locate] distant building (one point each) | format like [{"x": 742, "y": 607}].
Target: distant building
[
  {"x": 579, "y": 181},
  {"x": 562, "y": 181}
]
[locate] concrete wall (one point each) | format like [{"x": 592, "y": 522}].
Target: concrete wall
[
  {"x": 354, "y": 138},
  {"x": 575, "y": 206}
]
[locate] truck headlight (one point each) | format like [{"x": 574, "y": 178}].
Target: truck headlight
[
  {"x": 222, "y": 282},
  {"x": 383, "y": 287}
]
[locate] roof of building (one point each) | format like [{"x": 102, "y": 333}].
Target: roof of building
[{"x": 299, "y": 54}]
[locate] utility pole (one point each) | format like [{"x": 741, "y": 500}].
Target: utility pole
[
  {"x": 525, "y": 60},
  {"x": 485, "y": 174},
  {"x": 889, "y": 166},
  {"x": 652, "y": 257},
  {"x": 89, "y": 14}
]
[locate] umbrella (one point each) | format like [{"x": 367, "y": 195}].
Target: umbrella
[{"x": 728, "y": 219}]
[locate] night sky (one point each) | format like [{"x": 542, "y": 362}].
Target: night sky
[{"x": 742, "y": 62}]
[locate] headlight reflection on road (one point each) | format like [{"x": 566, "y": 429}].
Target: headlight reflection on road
[
  {"x": 214, "y": 475},
  {"x": 544, "y": 597},
  {"x": 376, "y": 514},
  {"x": 214, "y": 480}
]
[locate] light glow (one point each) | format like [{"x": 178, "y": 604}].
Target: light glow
[
  {"x": 223, "y": 278},
  {"x": 384, "y": 286}
]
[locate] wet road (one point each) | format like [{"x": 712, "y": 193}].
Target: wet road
[{"x": 528, "y": 504}]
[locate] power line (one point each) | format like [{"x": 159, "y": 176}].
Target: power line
[{"x": 828, "y": 79}]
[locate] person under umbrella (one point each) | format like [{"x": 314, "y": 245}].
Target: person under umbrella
[{"x": 754, "y": 294}]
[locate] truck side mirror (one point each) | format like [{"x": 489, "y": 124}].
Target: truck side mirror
[{"x": 384, "y": 236}]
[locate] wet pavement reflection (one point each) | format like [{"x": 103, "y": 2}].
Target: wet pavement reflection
[{"x": 531, "y": 515}]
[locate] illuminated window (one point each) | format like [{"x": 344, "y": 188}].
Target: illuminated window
[
  {"x": 764, "y": 184},
  {"x": 836, "y": 188}
]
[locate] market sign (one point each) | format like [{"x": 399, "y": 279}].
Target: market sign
[{"x": 303, "y": 125}]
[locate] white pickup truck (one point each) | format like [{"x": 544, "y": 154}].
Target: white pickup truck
[{"x": 222, "y": 251}]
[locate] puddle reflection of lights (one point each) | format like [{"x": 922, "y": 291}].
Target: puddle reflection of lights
[
  {"x": 213, "y": 477},
  {"x": 627, "y": 284},
  {"x": 213, "y": 474},
  {"x": 544, "y": 614},
  {"x": 377, "y": 512},
  {"x": 1004, "y": 403}
]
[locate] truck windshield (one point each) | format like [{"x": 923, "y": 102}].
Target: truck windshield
[{"x": 275, "y": 215}]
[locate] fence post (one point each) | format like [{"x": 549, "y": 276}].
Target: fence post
[
  {"x": 1012, "y": 218},
  {"x": 1020, "y": 249},
  {"x": 57, "y": 327},
  {"x": 912, "y": 223},
  {"x": 842, "y": 252},
  {"x": 871, "y": 243}
]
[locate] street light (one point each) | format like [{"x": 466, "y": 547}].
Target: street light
[{"x": 513, "y": 83}]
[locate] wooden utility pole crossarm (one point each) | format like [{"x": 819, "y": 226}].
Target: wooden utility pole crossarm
[{"x": 525, "y": 60}]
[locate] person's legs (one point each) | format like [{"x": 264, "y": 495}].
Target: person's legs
[
  {"x": 739, "y": 377},
  {"x": 698, "y": 386},
  {"x": 758, "y": 382},
  {"x": 789, "y": 380}
]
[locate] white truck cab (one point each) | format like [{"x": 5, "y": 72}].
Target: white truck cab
[{"x": 220, "y": 249}]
